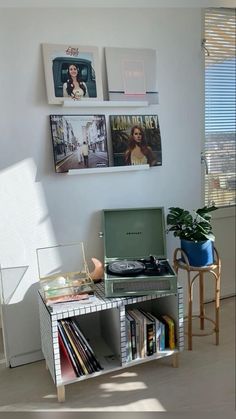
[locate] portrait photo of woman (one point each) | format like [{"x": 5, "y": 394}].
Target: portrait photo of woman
[
  {"x": 138, "y": 151},
  {"x": 74, "y": 87}
]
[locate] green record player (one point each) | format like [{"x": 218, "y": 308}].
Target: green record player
[{"x": 135, "y": 253}]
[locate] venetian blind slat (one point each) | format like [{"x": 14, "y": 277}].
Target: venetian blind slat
[{"x": 220, "y": 69}]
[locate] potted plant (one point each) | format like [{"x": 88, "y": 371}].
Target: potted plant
[{"x": 195, "y": 233}]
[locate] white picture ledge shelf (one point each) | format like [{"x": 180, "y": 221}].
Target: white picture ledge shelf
[
  {"x": 68, "y": 103},
  {"x": 108, "y": 169}
]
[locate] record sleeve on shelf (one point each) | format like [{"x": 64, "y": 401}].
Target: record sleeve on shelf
[
  {"x": 136, "y": 140},
  {"x": 69, "y": 348},
  {"x": 132, "y": 74},
  {"x": 67, "y": 369},
  {"x": 72, "y": 72},
  {"x": 79, "y": 142}
]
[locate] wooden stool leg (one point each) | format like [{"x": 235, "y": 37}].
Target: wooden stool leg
[
  {"x": 217, "y": 307},
  {"x": 201, "y": 298},
  {"x": 190, "y": 300}
]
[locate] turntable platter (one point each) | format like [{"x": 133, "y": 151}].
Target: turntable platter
[{"x": 126, "y": 267}]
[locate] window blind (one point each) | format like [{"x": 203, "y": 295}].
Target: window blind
[{"x": 220, "y": 96}]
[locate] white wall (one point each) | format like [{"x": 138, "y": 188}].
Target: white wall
[
  {"x": 223, "y": 223},
  {"x": 40, "y": 208},
  {"x": 117, "y": 3}
]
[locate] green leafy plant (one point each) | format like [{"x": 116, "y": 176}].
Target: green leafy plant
[{"x": 195, "y": 227}]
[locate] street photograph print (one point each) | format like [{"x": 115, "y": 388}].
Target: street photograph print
[
  {"x": 71, "y": 73},
  {"x": 79, "y": 142},
  {"x": 136, "y": 140}
]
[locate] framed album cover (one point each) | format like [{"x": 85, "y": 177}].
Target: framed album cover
[
  {"x": 136, "y": 140},
  {"x": 72, "y": 72},
  {"x": 132, "y": 74},
  {"x": 79, "y": 142}
]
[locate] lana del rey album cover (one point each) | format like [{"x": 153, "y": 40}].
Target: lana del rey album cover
[{"x": 136, "y": 139}]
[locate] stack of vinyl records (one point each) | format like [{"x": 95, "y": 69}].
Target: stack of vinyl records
[{"x": 75, "y": 350}]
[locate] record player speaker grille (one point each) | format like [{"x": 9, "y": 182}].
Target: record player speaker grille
[{"x": 155, "y": 286}]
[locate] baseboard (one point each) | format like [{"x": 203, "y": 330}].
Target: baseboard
[
  {"x": 26, "y": 358},
  {"x": 211, "y": 300}
]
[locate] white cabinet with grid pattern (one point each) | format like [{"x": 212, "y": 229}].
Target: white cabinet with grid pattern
[{"x": 102, "y": 321}]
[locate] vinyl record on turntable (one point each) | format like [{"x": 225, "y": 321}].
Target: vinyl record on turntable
[{"x": 126, "y": 267}]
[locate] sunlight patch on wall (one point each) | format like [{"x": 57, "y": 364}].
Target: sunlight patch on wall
[{"x": 23, "y": 206}]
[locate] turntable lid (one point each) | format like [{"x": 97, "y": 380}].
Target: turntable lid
[{"x": 134, "y": 233}]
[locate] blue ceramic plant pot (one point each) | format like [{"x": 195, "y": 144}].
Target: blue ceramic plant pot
[{"x": 200, "y": 253}]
